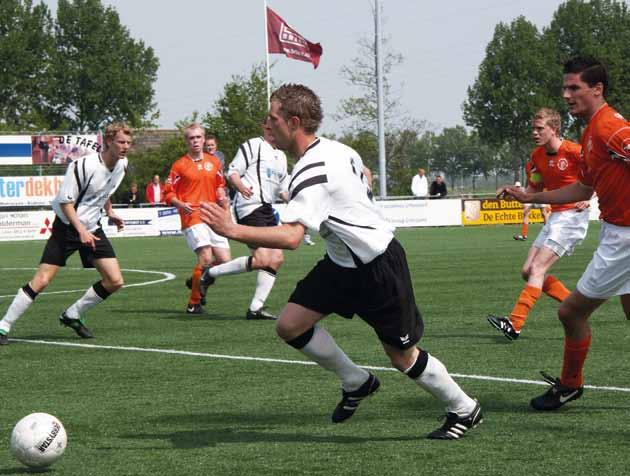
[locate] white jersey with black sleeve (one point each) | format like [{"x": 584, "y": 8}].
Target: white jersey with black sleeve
[
  {"x": 261, "y": 167},
  {"x": 328, "y": 193},
  {"x": 88, "y": 184}
]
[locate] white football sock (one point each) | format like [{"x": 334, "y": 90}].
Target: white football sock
[
  {"x": 323, "y": 350},
  {"x": 87, "y": 302},
  {"x": 264, "y": 282},
  {"x": 18, "y": 306},
  {"x": 436, "y": 380},
  {"x": 236, "y": 266}
]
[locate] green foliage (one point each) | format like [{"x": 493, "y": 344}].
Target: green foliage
[
  {"x": 599, "y": 28},
  {"x": 144, "y": 165},
  {"x": 74, "y": 73},
  {"x": 522, "y": 71},
  {"x": 513, "y": 82},
  {"x": 239, "y": 111},
  {"x": 101, "y": 73},
  {"x": 26, "y": 46},
  {"x": 360, "y": 73}
]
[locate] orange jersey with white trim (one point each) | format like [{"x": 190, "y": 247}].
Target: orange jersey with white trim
[
  {"x": 606, "y": 152},
  {"x": 194, "y": 181},
  {"x": 556, "y": 170}
]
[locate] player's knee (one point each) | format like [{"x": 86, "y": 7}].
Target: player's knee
[
  {"x": 40, "y": 282},
  {"x": 113, "y": 284},
  {"x": 537, "y": 270},
  {"x": 570, "y": 314},
  {"x": 525, "y": 274},
  {"x": 285, "y": 331}
]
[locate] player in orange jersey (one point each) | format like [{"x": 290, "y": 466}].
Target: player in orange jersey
[
  {"x": 606, "y": 170},
  {"x": 197, "y": 177},
  {"x": 555, "y": 163}
]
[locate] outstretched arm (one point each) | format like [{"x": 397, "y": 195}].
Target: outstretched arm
[
  {"x": 287, "y": 236},
  {"x": 576, "y": 192}
]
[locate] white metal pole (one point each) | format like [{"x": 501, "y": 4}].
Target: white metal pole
[
  {"x": 267, "y": 54},
  {"x": 382, "y": 162}
]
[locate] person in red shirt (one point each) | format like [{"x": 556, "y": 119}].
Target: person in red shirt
[
  {"x": 605, "y": 171},
  {"x": 554, "y": 163},
  {"x": 194, "y": 178},
  {"x": 154, "y": 192}
]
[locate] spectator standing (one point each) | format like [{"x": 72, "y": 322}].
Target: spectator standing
[
  {"x": 211, "y": 146},
  {"x": 133, "y": 197},
  {"x": 438, "y": 188},
  {"x": 154, "y": 193},
  {"x": 420, "y": 184}
]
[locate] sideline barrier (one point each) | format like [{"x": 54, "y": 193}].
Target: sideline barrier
[{"x": 164, "y": 221}]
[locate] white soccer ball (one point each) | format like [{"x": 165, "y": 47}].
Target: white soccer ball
[{"x": 38, "y": 440}]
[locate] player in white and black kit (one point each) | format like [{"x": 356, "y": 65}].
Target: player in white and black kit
[
  {"x": 364, "y": 271},
  {"x": 87, "y": 187},
  {"x": 258, "y": 173}
]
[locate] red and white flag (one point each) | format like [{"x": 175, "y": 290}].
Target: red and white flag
[{"x": 283, "y": 39}]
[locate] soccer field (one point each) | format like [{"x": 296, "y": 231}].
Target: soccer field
[{"x": 158, "y": 392}]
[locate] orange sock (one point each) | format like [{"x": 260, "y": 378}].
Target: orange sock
[
  {"x": 552, "y": 287},
  {"x": 527, "y": 299},
  {"x": 575, "y": 353},
  {"x": 524, "y": 229},
  {"x": 195, "y": 297}
]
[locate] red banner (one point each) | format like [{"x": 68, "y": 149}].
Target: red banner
[{"x": 285, "y": 40}]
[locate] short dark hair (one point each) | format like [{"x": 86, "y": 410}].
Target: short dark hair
[
  {"x": 299, "y": 101},
  {"x": 211, "y": 136},
  {"x": 591, "y": 70}
]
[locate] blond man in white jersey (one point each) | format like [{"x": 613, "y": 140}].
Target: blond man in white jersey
[{"x": 89, "y": 183}]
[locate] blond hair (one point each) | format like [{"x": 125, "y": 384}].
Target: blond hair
[
  {"x": 116, "y": 127},
  {"x": 194, "y": 125},
  {"x": 551, "y": 118}
]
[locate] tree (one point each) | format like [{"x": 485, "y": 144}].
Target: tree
[
  {"x": 239, "y": 110},
  {"x": 26, "y": 33},
  {"x": 101, "y": 73},
  {"x": 144, "y": 165},
  {"x": 361, "y": 73},
  {"x": 513, "y": 82},
  {"x": 599, "y": 28}
]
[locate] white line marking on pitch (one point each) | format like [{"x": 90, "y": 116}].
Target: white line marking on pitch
[
  {"x": 167, "y": 277},
  {"x": 285, "y": 361}
]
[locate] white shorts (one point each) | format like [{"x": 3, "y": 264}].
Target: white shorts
[
  {"x": 608, "y": 273},
  {"x": 202, "y": 235},
  {"x": 563, "y": 231}
]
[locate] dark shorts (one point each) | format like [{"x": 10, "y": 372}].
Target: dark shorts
[
  {"x": 64, "y": 241},
  {"x": 262, "y": 216},
  {"x": 379, "y": 292}
]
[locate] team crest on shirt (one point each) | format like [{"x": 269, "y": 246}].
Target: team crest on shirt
[
  {"x": 563, "y": 164},
  {"x": 207, "y": 166}
]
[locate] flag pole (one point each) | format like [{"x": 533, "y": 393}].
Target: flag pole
[
  {"x": 267, "y": 54},
  {"x": 382, "y": 161}
]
